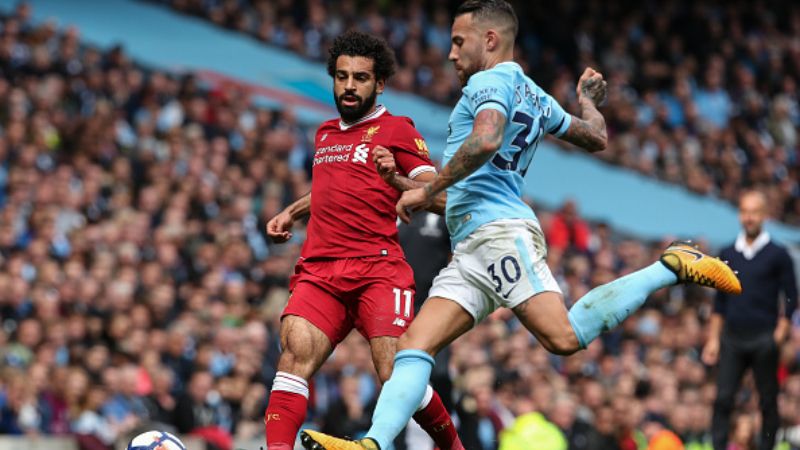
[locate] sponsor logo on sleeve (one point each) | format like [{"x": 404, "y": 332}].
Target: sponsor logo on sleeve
[
  {"x": 483, "y": 95},
  {"x": 422, "y": 147}
]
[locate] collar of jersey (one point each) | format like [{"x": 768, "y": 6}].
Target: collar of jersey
[{"x": 374, "y": 114}]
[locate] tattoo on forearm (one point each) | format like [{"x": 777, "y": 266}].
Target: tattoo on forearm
[
  {"x": 471, "y": 155},
  {"x": 589, "y": 131},
  {"x": 403, "y": 184}
]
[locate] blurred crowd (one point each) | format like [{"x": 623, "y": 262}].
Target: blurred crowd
[
  {"x": 702, "y": 93},
  {"x": 138, "y": 289}
]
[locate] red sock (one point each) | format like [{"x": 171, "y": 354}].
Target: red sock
[
  {"x": 285, "y": 414},
  {"x": 435, "y": 420}
]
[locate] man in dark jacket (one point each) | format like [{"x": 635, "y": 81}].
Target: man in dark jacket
[{"x": 747, "y": 330}]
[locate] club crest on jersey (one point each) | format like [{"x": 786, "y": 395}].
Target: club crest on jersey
[
  {"x": 422, "y": 147},
  {"x": 370, "y": 133}
]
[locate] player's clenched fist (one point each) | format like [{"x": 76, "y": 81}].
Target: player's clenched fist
[
  {"x": 592, "y": 86},
  {"x": 279, "y": 227},
  {"x": 384, "y": 162}
]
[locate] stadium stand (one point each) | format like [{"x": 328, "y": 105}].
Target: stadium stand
[
  {"x": 136, "y": 281},
  {"x": 702, "y": 94}
]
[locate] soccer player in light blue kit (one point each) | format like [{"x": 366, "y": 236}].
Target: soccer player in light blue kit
[{"x": 499, "y": 249}]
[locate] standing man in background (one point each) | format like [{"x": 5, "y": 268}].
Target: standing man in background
[{"x": 748, "y": 329}]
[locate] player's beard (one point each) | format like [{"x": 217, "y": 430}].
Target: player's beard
[
  {"x": 350, "y": 114},
  {"x": 466, "y": 73}
]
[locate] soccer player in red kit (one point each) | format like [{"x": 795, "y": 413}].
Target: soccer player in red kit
[{"x": 352, "y": 272}]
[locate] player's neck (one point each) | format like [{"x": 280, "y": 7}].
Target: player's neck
[{"x": 493, "y": 60}]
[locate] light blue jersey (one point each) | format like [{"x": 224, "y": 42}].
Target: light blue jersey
[{"x": 494, "y": 191}]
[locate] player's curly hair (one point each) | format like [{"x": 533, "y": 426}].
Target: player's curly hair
[{"x": 356, "y": 43}]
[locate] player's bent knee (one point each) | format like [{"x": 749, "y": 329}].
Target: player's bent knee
[
  {"x": 564, "y": 344},
  {"x": 415, "y": 341},
  {"x": 304, "y": 347},
  {"x": 299, "y": 365}
]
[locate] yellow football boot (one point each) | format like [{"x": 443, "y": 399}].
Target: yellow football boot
[
  {"x": 693, "y": 266},
  {"x": 314, "y": 440}
]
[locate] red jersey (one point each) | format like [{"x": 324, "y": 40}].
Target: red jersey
[{"x": 352, "y": 208}]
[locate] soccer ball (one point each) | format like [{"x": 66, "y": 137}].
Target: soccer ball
[{"x": 156, "y": 440}]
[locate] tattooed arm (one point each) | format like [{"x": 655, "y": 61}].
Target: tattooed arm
[
  {"x": 589, "y": 130},
  {"x": 403, "y": 184},
  {"x": 485, "y": 139},
  {"x": 387, "y": 169}
]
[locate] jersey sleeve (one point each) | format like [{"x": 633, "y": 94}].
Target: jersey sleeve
[
  {"x": 559, "y": 120},
  {"x": 489, "y": 89},
  {"x": 410, "y": 151}
]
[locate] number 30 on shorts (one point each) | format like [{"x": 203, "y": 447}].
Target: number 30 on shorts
[
  {"x": 399, "y": 296},
  {"x": 508, "y": 266}
]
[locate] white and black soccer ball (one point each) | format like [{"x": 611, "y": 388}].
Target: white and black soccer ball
[{"x": 156, "y": 440}]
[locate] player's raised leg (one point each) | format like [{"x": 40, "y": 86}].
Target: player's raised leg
[
  {"x": 440, "y": 321},
  {"x": 606, "y": 306}
]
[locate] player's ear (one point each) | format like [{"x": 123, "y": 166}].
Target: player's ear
[
  {"x": 379, "y": 86},
  {"x": 492, "y": 39}
]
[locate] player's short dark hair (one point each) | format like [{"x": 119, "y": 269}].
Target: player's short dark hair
[
  {"x": 357, "y": 43},
  {"x": 493, "y": 10}
]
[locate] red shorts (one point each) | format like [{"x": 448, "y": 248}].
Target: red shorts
[{"x": 373, "y": 294}]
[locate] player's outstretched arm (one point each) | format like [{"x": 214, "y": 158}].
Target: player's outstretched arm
[
  {"x": 279, "y": 228},
  {"x": 387, "y": 169},
  {"x": 589, "y": 130}
]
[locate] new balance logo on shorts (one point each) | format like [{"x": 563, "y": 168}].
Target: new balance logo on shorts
[
  {"x": 399, "y": 322},
  {"x": 360, "y": 154}
]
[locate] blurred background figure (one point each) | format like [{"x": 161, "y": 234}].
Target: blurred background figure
[{"x": 748, "y": 330}]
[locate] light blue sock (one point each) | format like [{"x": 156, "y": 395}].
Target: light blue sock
[
  {"x": 400, "y": 396},
  {"x": 606, "y": 306}
]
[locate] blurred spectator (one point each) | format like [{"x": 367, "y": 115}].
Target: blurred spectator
[
  {"x": 659, "y": 437},
  {"x": 349, "y": 415},
  {"x": 580, "y": 435},
  {"x": 203, "y": 412},
  {"x": 532, "y": 427},
  {"x": 743, "y": 436},
  {"x": 567, "y": 231}
]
